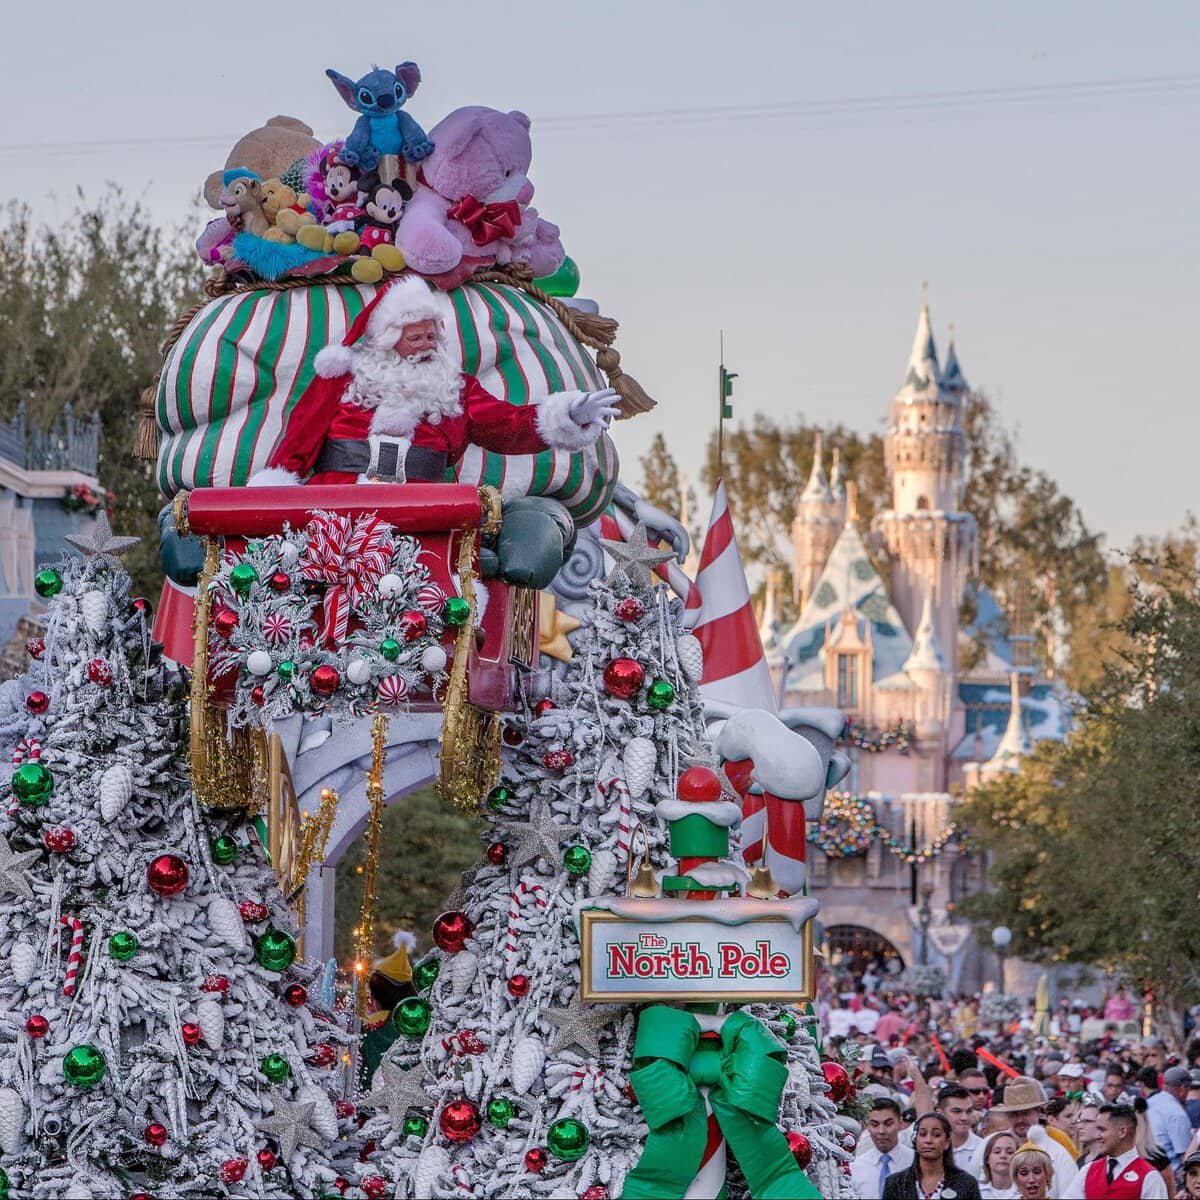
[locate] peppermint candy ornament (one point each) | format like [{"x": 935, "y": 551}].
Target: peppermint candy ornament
[
  {"x": 431, "y": 597},
  {"x": 12, "y": 1120},
  {"x": 93, "y": 606},
  {"x": 392, "y": 690},
  {"x": 527, "y": 1061},
  {"x": 638, "y": 761},
  {"x": 691, "y": 656},
  {"x": 277, "y": 629},
  {"x": 116, "y": 786}
]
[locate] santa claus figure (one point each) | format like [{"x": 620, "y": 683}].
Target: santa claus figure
[{"x": 390, "y": 404}]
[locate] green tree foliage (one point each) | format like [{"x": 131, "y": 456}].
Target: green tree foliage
[
  {"x": 1094, "y": 842},
  {"x": 83, "y": 313}
]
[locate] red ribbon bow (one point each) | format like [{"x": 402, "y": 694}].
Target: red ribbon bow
[
  {"x": 487, "y": 222},
  {"x": 349, "y": 556}
]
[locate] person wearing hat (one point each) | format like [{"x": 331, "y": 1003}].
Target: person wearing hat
[
  {"x": 1120, "y": 1172},
  {"x": 1191, "y": 1177},
  {"x": 1024, "y": 1100},
  {"x": 389, "y": 982},
  {"x": 1169, "y": 1120},
  {"x": 1192, "y": 1101}
]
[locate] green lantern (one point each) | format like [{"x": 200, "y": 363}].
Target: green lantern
[
  {"x": 577, "y": 860},
  {"x": 242, "y": 578},
  {"x": 275, "y": 950},
  {"x": 568, "y": 1139},
  {"x": 424, "y": 973},
  {"x": 564, "y": 281},
  {"x": 84, "y": 1066},
  {"x": 415, "y": 1125},
  {"x": 47, "y": 583},
  {"x": 123, "y": 945},
  {"x": 498, "y": 797},
  {"x": 456, "y": 611},
  {"x": 390, "y": 649},
  {"x": 286, "y": 669},
  {"x": 412, "y": 1016},
  {"x": 32, "y": 784},
  {"x": 224, "y": 849},
  {"x": 661, "y": 695},
  {"x": 500, "y": 1111},
  {"x": 275, "y": 1067}
]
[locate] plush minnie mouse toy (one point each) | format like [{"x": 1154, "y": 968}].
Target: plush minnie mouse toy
[{"x": 384, "y": 207}]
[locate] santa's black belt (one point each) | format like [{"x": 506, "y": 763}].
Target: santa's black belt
[{"x": 352, "y": 456}]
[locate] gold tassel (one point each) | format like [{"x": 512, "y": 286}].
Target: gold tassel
[
  {"x": 145, "y": 436},
  {"x": 364, "y": 934},
  {"x": 633, "y": 396},
  {"x": 596, "y": 326}
]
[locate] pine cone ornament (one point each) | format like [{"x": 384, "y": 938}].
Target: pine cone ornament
[
  {"x": 600, "y": 873},
  {"x": 638, "y": 761},
  {"x": 433, "y": 1162},
  {"x": 78, "y": 1191},
  {"x": 116, "y": 786},
  {"x": 226, "y": 922},
  {"x": 324, "y": 1117},
  {"x": 12, "y": 1120},
  {"x": 527, "y": 1061},
  {"x": 690, "y": 655},
  {"x": 93, "y": 606},
  {"x": 462, "y": 974},
  {"x": 211, "y": 1019},
  {"x": 22, "y": 961}
]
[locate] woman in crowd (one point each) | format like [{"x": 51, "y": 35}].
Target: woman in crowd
[
  {"x": 1032, "y": 1172},
  {"x": 1191, "y": 1177},
  {"x": 995, "y": 1159},
  {"x": 1150, "y": 1150},
  {"x": 933, "y": 1174}
]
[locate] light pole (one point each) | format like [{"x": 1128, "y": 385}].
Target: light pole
[
  {"x": 1001, "y": 938},
  {"x": 924, "y": 916}
]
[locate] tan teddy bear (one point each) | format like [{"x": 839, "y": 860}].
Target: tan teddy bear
[
  {"x": 286, "y": 210},
  {"x": 273, "y": 151}
]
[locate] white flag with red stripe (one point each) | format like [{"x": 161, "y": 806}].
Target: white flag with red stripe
[{"x": 735, "y": 667}]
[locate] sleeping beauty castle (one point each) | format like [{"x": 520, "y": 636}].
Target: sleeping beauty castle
[{"x": 936, "y": 703}]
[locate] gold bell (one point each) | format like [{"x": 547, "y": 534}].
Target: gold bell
[
  {"x": 762, "y": 885},
  {"x": 643, "y": 885}
]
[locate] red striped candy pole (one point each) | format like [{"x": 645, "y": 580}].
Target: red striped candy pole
[
  {"x": 709, "y": 1183},
  {"x": 520, "y": 894},
  {"x": 624, "y": 821},
  {"x": 75, "y": 953}
]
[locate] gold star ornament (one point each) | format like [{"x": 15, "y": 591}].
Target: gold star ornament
[{"x": 553, "y": 627}]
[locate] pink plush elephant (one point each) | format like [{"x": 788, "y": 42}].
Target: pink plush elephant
[{"x": 471, "y": 208}]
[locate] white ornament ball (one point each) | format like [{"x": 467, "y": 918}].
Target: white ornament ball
[
  {"x": 289, "y": 554},
  {"x": 93, "y": 606},
  {"x": 432, "y": 1163},
  {"x": 390, "y": 586},
  {"x": 226, "y": 922},
  {"x": 211, "y": 1020},
  {"x": 116, "y": 786},
  {"x": 433, "y": 659},
  {"x": 12, "y": 1120},
  {"x": 22, "y": 961},
  {"x": 527, "y": 1061},
  {"x": 258, "y": 662},
  {"x": 691, "y": 656},
  {"x": 358, "y": 670},
  {"x": 462, "y": 974},
  {"x": 638, "y": 761}
]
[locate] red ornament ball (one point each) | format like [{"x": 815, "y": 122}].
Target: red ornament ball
[
  {"x": 233, "y": 1170},
  {"x": 698, "y": 784},
  {"x": 215, "y": 983},
  {"x": 800, "y": 1147},
  {"x": 518, "y": 986},
  {"x": 344, "y": 1108},
  {"x": 497, "y": 854},
  {"x": 470, "y": 1042},
  {"x": 253, "y": 911},
  {"x": 322, "y": 1055},
  {"x": 142, "y": 605},
  {"x": 836, "y": 1080},
  {"x": 460, "y": 1120},
  {"x": 374, "y": 1187},
  {"x": 35, "y": 647},
  {"x": 258, "y": 695},
  {"x": 511, "y": 736},
  {"x": 59, "y": 839},
  {"x": 37, "y": 1026},
  {"x": 295, "y": 994},
  {"x": 280, "y": 581},
  {"x": 191, "y": 1033},
  {"x": 542, "y": 707},
  {"x": 623, "y": 678},
  {"x": 266, "y": 1159},
  {"x": 100, "y": 673},
  {"x": 341, "y": 1185},
  {"x": 140, "y": 1196},
  {"x": 451, "y": 930},
  {"x": 536, "y": 1159},
  {"x": 225, "y": 622},
  {"x": 630, "y": 609},
  {"x": 155, "y": 1134},
  {"x": 413, "y": 625},
  {"x": 596, "y": 1192},
  {"x": 557, "y": 760},
  {"x": 325, "y": 680},
  {"x": 167, "y": 875},
  {"x": 37, "y": 703}
]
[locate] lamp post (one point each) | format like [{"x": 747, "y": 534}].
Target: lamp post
[
  {"x": 1001, "y": 938},
  {"x": 925, "y": 916}
]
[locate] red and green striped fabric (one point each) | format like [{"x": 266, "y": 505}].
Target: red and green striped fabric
[{"x": 231, "y": 380}]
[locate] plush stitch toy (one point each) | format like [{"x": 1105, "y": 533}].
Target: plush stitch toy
[{"x": 382, "y": 126}]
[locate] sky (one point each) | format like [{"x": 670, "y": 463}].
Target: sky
[{"x": 1045, "y": 183}]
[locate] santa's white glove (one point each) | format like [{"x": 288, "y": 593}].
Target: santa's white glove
[{"x": 594, "y": 406}]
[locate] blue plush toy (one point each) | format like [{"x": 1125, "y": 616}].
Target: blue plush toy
[{"x": 382, "y": 128}]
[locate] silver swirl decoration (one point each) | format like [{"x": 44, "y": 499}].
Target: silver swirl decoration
[{"x": 584, "y": 565}]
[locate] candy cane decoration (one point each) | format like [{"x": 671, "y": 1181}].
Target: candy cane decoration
[
  {"x": 520, "y": 894},
  {"x": 461, "y": 1178},
  {"x": 624, "y": 819},
  {"x": 27, "y": 747},
  {"x": 75, "y": 954}
]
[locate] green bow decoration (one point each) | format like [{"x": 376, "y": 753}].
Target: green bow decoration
[{"x": 745, "y": 1075}]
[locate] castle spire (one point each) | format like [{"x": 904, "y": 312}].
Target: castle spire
[
  {"x": 817, "y": 487},
  {"x": 836, "y": 485},
  {"x": 926, "y": 655},
  {"x": 923, "y": 372},
  {"x": 953, "y": 380},
  {"x": 1015, "y": 744}
]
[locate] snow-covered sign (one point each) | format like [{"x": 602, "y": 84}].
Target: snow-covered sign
[{"x": 737, "y": 950}]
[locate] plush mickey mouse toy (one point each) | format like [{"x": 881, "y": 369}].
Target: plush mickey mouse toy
[{"x": 384, "y": 207}]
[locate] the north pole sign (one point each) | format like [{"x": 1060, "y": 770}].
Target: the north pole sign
[{"x": 639, "y": 956}]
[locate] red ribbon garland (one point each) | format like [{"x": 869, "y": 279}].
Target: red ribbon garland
[
  {"x": 487, "y": 222},
  {"x": 349, "y": 556}
]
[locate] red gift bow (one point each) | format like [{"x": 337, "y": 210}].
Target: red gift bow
[
  {"x": 349, "y": 556},
  {"x": 487, "y": 222}
]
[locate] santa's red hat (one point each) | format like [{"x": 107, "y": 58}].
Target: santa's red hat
[{"x": 402, "y": 302}]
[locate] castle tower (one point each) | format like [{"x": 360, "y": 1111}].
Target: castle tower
[
  {"x": 820, "y": 514},
  {"x": 930, "y": 541},
  {"x": 926, "y": 667}
]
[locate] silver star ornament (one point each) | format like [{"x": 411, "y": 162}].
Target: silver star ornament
[
  {"x": 100, "y": 539},
  {"x": 12, "y": 870},
  {"x": 539, "y": 837},
  {"x": 397, "y": 1091},
  {"x": 580, "y": 1026},
  {"x": 636, "y": 558},
  {"x": 290, "y": 1124}
]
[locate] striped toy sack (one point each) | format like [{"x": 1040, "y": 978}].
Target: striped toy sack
[{"x": 243, "y": 361}]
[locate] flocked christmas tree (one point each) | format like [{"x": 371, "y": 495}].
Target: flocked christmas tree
[
  {"x": 157, "y": 1036},
  {"x": 502, "y": 1083}
]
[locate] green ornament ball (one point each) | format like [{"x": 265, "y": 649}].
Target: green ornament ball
[
  {"x": 498, "y": 797},
  {"x": 577, "y": 860},
  {"x": 412, "y": 1016},
  {"x": 568, "y": 1139},
  {"x": 242, "y": 578},
  {"x": 224, "y": 849},
  {"x": 661, "y": 695},
  {"x": 286, "y": 669},
  {"x": 3, "y": 1184},
  {"x": 564, "y": 281},
  {"x": 123, "y": 945},
  {"x": 47, "y": 583},
  {"x": 500, "y": 1111},
  {"x": 416, "y": 1126},
  {"x": 789, "y": 1025},
  {"x": 275, "y": 950},
  {"x": 32, "y": 784},
  {"x": 84, "y": 1066},
  {"x": 275, "y": 1067},
  {"x": 390, "y": 649},
  {"x": 424, "y": 973},
  {"x": 456, "y": 611}
]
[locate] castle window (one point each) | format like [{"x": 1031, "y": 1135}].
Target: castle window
[
  {"x": 922, "y": 502},
  {"x": 847, "y": 681}
]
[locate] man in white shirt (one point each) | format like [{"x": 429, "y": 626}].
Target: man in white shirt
[
  {"x": 885, "y": 1155},
  {"x": 1120, "y": 1164},
  {"x": 1023, "y": 1102}
]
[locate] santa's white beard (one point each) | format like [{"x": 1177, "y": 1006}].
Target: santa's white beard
[{"x": 404, "y": 392}]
